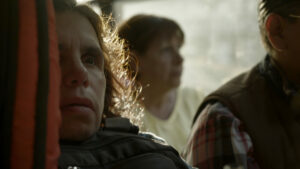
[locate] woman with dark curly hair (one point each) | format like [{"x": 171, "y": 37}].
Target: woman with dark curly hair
[{"x": 96, "y": 90}]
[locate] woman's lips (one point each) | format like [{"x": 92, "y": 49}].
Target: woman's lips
[
  {"x": 77, "y": 105},
  {"x": 177, "y": 73},
  {"x": 71, "y": 109}
]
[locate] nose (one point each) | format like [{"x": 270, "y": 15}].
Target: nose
[
  {"x": 74, "y": 73},
  {"x": 179, "y": 59}
]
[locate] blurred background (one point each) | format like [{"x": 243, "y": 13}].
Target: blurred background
[{"x": 221, "y": 36}]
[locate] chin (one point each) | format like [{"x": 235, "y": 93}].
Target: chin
[
  {"x": 77, "y": 132},
  {"x": 175, "y": 83}
]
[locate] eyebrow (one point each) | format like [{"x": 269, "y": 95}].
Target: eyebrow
[{"x": 92, "y": 49}]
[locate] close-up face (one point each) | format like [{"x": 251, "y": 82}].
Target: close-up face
[
  {"x": 292, "y": 39},
  {"x": 83, "y": 81},
  {"x": 161, "y": 64}
]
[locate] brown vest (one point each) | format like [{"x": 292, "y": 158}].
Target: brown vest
[{"x": 267, "y": 117}]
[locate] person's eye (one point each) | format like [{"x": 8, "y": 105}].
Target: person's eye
[
  {"x": 89, "y": 59},
  {"x": 166, "y": 49}
]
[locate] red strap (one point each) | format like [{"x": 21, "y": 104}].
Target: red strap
[
  {"x": 27, "y": 75},
  {"x": 23, "y": 128},
  {"x": 53, "y": 101}
]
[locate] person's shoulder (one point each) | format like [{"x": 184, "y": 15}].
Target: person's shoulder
[
  {"x": 119, "y": 127},
  {"x": 214, "y": 113},
  {"x": 153, "y": 137},
  {"x": 218, "y": 108},
  {"x": 158, "y": 140}
]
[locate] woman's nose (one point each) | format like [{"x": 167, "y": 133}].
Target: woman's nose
[
  {"x": 179, "y": 59},
  {"x": 75, "y": 73}
]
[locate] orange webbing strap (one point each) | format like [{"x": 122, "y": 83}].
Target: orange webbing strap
[
  {"x": 23, "y": 120},
  {"x": 32, "y": 79},
  {"x": 54, "y": 116}
]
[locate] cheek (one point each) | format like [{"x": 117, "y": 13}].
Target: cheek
[
  {"x": 100, "y": 88},
  {"x": 293, "y": 40},
  {"x": 154, "y": 68},
  {"x": 294, "y": 49},
  {"x": 98, "y": 85},
  {"x": 152, "y": 71},
  {"x": 165, "y": 65}
]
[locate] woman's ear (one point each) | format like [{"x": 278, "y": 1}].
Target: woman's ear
[{"x": 274, "y": 27}]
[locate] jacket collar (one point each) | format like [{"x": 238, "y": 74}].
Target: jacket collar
[{"x": 270, "y": 69}]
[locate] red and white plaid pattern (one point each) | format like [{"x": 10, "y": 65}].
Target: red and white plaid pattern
[{"x": 218, "y": 139}]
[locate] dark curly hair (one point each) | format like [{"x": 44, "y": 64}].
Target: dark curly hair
[{"x": 140, "y": 30}]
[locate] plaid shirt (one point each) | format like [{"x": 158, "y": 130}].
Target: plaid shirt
[{"x": 218, "y": 138}]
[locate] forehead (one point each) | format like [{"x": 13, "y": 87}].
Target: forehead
[
  {"x": 72, "y": 28},
  {"x": 167, "y": 39}
]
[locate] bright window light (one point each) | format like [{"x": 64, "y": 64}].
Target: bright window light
[
  {"x": 94, "y": 7},
  {"x": 82, "y": 1},
  {"x": 221, "y": 39}
]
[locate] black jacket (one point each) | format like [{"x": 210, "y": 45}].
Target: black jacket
[{"x": 119, "y": 146}]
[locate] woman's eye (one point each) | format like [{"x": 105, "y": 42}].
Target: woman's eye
[
  {"x": 166, "y": 49},
  {"x": 89, "y": 59}
]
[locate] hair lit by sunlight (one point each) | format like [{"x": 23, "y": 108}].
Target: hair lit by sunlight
[{"x": 82, "y": 1}]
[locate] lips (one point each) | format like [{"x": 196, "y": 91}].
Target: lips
[
  {"x": 77, "y": 105},
  {"x": 177, "y": 72}
]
